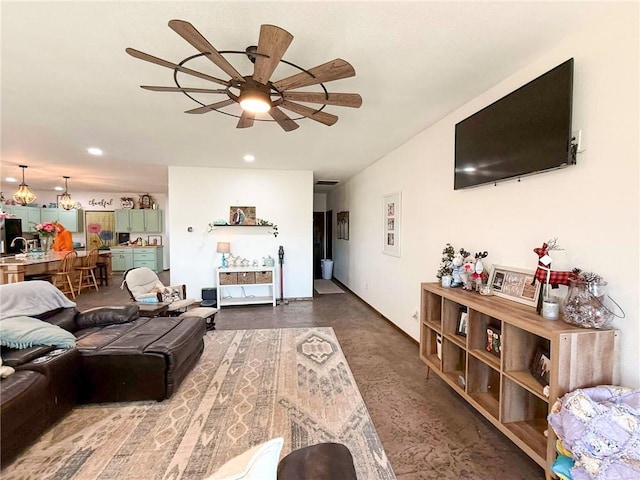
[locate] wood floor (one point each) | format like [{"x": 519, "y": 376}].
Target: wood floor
[{"x": 427, "y": 430}]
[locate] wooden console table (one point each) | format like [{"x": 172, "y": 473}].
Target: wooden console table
[
  {"x": 13, "y": 269},
  {"x": 500, "y": 385}
]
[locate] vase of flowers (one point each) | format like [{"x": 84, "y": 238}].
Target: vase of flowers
[{"x": 46, "y": 231}]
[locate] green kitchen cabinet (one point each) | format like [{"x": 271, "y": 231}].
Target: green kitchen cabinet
[
  {"x": 138, "y": 220},
  {"x": 30, "y": 216},
  {"x": 121, "y": 259},
  {"x": 72, "y": 220}
]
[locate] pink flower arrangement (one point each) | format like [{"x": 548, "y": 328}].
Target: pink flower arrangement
[{"x": 46, "y": 229}]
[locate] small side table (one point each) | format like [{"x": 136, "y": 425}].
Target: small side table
[{"x": 152, "y": 309}]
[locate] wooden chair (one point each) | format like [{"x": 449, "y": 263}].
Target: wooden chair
[
  {"x": 87, "y": 277},
  {"x": 63, "y": 278}
]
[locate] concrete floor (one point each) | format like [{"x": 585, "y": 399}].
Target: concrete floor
[{"x": 427, "y": 430}]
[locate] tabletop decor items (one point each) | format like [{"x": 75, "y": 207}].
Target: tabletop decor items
[
  {"x": 46, "y": 231},
  {"x": 446, "y": 266},
  {"x": 586, "y": 303}
]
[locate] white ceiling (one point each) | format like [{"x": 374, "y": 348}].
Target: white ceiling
[{"x": 67, "y": 83}]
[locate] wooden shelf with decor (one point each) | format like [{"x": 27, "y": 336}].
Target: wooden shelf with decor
[{"x": 499, "y": 383}]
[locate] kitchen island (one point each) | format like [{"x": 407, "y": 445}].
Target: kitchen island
[{"x": 14, "y": 269}]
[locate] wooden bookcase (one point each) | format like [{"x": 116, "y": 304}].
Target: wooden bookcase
[{"x": 501, "y": 387}]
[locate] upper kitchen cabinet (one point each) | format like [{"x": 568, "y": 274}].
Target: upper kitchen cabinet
[
  {"x": 139, "y": 220},
  {"x": 30, "y": 216},
  {"x": 72, "y": 220}
]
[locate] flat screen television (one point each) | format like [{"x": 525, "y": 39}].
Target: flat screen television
[{"x": 525, "y": 132}]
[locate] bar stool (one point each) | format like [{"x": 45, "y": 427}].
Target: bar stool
[
  {"x": 87, "y": 276},
  {"x": 65, "y": 274},
  {"x": 102, "y": 275}
]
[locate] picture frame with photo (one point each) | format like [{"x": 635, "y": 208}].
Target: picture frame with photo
[
  {"x": 461, "y": 326},
  {"x": 493, "y": 343},
  {"x": 154, "y": 240},
  {"x": 343, "y": 225},
  {"x": 541, "y": 366},
  {"x": 515, "y": 284},
  {"x": 391, "y": 215},
  {"x": 242, "y": 215}
]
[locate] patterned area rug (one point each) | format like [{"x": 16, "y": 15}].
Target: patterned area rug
[
  {"x": 324, "y": 287},
  {"x": 249, "y": 386}
]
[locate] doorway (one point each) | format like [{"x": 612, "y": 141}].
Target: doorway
[{"x": 318, "y": 243}]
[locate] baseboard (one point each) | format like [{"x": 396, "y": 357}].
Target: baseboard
[{"x": 342, "y": 285}]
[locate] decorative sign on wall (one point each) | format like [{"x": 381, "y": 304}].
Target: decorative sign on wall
[
  {"x": 391, "y": 214},
  {"x": 104, "y": 203}
]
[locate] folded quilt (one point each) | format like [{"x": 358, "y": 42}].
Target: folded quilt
[
  {"x": 31, "y": 298},
  {"x": 600, "y": 426}
]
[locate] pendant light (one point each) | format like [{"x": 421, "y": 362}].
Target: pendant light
[
  {"x": 24, "y": 196},
  {"x": 65, "y": 199}
]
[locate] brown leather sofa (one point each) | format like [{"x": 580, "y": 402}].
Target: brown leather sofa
[{"x": 119, "y": 356}]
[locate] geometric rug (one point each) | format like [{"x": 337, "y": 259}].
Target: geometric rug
[
  {"x": 323, "y": 287},
  {"x": 248, "y": 387}
]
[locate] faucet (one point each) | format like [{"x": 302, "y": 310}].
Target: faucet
[{"x": 24, "y": 240}]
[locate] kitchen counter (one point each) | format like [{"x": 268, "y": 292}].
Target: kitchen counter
[{"x": 14, "y": 269}]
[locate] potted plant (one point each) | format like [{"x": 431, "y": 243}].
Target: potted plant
[{"x": 446, "y": 266}]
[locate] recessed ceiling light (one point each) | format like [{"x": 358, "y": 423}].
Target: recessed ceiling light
[
  {"x": 58, "y": 189},
  {"x": 10, "y": 180},
  {"x": 469, "y": 169},
  {"x": 94, "y": 151},
  {"x": 249, "y": 158}
]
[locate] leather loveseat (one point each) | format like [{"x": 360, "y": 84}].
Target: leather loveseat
[{"x": 119, "y": 356}]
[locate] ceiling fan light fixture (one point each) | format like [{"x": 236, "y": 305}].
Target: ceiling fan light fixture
[
  {"x": 255, "y": 101},
  {"x": 24, "y": 196},
  {"x": 65, "y": 199}
]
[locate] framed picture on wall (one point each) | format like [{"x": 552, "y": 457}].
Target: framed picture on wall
[
  {"x": 242, "y": 215},
  {"x": 391, "y": 215},
  {"x": 343, "y": 225}
]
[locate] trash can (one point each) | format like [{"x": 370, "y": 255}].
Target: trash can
[{"x": 327, "y": 269}]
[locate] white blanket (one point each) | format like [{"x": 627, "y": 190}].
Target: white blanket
[{"x": 30, "y": 298}]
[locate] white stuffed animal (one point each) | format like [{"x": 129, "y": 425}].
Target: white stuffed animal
[{"x": 457, "y": 261}]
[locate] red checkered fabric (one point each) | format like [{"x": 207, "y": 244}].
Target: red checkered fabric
[{"x": 556, "y": 277}]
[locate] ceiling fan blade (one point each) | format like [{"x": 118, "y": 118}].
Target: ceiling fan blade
[
  {"x": 195, "y": 38},
  {"x": 333, "y": 70},
  {"x": 210, "y": 108},
  {"x": 322, "y": 117},
  {"x": 183, "y": 89},
  {"x": 283, "y": 120},
  {"x": 164, "y": 63},
  {"x": 273, "y": 42},
  {"x": 340, "y": 99},
  {"x": 246, "y": 120}
]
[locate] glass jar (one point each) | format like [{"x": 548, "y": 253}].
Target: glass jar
[{"x": 585, "y": 304}]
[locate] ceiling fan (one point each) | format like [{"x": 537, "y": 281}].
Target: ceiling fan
[{"x": 256, "y": 93}]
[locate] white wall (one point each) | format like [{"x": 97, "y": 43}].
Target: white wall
[
  {"x": 593, "y": 207},
  {"x": 198, "y": 196},
  {"x": 319, "y": 202}
]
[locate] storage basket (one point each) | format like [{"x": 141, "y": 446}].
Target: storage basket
[
  {"x": 245, "y": 278},
  {"x": 264, "y": 277},
  {"x": 230, "y": 278}
]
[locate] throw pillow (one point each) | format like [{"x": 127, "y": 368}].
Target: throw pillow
[
  {"x": 257, "y": 463},
  {"x": 24, "y": 332}
]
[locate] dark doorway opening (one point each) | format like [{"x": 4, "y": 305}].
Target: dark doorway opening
[
  {"x": 329, "y": 234},
  {"x": 318, "y": 243}
]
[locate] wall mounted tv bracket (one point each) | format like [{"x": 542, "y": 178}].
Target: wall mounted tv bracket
[{"x": 574, "y": 146}]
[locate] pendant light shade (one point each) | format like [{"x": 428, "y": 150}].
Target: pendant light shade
[
  {"x": 65, "y": 199},
  {"x": 24, "y": 196}
]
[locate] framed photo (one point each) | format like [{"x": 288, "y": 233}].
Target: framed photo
[
  {"x": 391, "y": 215},
  {"x": 461, "y": 327},
  {"x": 541, "y": 365},
  {"x": 343, "y": 225},
  {"x": 154, "y": 240},
  {"x": 242, "y": 215},
  {"x": 493, "y": 343},
  {"x": 514, "y": 284}
]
